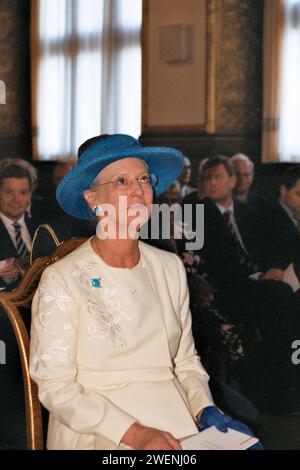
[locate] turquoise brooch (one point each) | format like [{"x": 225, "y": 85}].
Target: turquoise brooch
[{"x": 96, "y": 282}]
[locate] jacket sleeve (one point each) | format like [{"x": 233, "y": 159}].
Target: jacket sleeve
[
  {"x": 54, "y": 367},
  {"x": 188, "y": 368}
]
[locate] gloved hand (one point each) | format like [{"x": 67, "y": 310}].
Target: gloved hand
[{"x": 211, "y": 416}]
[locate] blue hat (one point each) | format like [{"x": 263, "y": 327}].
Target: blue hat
[{"x": 166, "y": 163}]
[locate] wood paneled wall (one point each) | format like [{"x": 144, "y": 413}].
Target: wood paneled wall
[
  {"x": 235, "y": 33},
  {"x": 15, "y": 126}
]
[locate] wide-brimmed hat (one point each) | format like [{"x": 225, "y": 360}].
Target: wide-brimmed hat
[{"x": 166, "y": 163}]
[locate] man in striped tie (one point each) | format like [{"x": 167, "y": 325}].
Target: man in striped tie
[{"x": 16, "y": 229}]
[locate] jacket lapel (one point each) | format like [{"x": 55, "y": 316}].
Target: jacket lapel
[
  {"x": 32, "y": 225},
  {"x": 7, "y": 248}
]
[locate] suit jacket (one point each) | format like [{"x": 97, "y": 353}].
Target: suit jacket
[
  {"x": 219, "y": 250},
  {"x": 37, "y": 209},
  {"x": 283, "y": 237},
  {"x": 253, "y": 231},
  {"x": 7, "y": 247},
  {"x": 257, "y": 201},
  {"x": 106, "y": 357}
]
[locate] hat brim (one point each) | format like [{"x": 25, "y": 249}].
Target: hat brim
[{"x": 166, "y": 163}]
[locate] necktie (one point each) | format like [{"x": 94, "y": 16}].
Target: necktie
[
  {"x": 242, "y": 256},
  {"x": 21, "y": 247}
]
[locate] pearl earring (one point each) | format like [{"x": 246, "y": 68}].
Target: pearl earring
[{"x": 97, "y": 210}]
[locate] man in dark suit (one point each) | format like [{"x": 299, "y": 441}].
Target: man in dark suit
[
  {"x": 16, "y": 228},
  {"x": 16, "y": 232},
  {"x": 283, "y": 221},
  {"x": 36, "y": 206},
  {"x": 248, "y": 287}
]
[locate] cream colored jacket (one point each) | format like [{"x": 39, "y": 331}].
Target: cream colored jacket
[{"x": 105, "y": 357}]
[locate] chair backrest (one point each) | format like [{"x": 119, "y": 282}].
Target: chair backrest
[
  {"x": 66, "y": 247},
  {"x": 11, "y": 302}
]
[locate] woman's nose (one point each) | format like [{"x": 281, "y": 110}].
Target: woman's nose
[{"x": 136, "y": 185}]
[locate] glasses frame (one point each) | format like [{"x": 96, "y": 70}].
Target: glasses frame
[{"x": 137, "y": 178}]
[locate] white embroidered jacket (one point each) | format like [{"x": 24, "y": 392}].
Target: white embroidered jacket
[{"x": 112, "y": 346}]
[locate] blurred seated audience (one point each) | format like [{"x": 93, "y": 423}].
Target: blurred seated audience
[{"x": 249, "y": 291}]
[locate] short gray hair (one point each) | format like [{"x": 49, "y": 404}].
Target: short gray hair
[{"x": 241, "y": 157}]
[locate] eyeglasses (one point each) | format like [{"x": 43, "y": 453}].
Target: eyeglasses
[{"x": 121, "y": 183}]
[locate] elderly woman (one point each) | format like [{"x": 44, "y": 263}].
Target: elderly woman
[{"x": 112, "y": 350}]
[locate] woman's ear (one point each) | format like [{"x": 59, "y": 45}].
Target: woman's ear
[{"x": 90, "y": 198}]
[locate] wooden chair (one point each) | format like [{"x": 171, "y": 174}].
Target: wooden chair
[{"x": 11, "y": 302}]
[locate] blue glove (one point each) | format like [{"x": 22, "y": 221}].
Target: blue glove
[{"x": 211, "y": 416}]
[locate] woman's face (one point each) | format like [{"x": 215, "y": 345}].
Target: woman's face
[{"x": 131, "y": 201}]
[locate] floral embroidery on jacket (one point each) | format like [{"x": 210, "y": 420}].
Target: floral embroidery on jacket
[
  {"x": 56, "y": 350},
  {"x": 45, "y": 318},
  {"x": 112, "y": 318},
  {"x": 82, "y": 271},
  {"x": 54, "y": 297}
]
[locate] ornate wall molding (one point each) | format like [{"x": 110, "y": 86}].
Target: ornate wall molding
[{"x": 271, "y": 124}]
